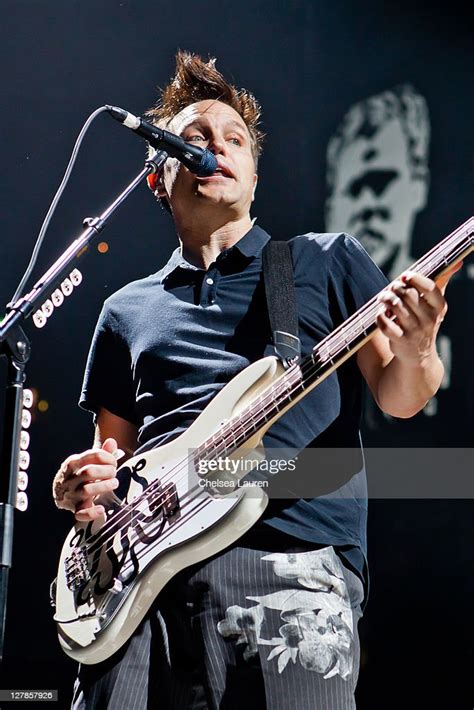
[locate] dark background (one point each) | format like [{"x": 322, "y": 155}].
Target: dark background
[{"x": 307, "y": 62}]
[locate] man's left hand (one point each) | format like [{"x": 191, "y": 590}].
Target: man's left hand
[{"x": 413, "y": 310}]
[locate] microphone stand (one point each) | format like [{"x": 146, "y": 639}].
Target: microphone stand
[{"x": 16, "y": 347}]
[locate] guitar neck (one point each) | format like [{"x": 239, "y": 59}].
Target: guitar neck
[
  {"x": 330, "y": 353},
  {"x": 351, "y": 334}
]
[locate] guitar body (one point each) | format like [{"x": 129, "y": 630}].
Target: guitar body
[{"x": 110, "y": 573}]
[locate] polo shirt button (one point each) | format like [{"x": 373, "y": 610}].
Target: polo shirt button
[{"x": 210, "y": 281}]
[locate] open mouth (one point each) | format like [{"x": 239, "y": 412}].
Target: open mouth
[{"x": 221, "y": 171}]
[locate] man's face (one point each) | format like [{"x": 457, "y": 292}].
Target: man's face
[
  {"x": 216, "y": 126},
  {"x": 374, "y": 196}
]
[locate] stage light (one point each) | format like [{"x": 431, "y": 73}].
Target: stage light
[{"x": 43, "y": 406}]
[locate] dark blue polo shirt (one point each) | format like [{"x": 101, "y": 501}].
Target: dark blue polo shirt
[{"x": 165, "y": 345}]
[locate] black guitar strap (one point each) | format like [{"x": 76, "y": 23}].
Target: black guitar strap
[{"x": 279, "y": 284}]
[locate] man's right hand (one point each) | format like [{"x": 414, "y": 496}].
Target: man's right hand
[{"x": 82, "y": 477}]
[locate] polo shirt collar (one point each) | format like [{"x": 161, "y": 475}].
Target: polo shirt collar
[
  {"x": 253, "y": 242},
  {"x": 250, "y": 245},
  {"x": 176, "y": 261}
]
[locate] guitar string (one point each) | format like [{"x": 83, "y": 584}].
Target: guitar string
[
  {"x": 183, "y": 519},
  {"x": 148, "y": 547},
  {"x": 280, "y": 389},
  {"x": 308, "y": 365},
  {"x": 128, "y": 564},
  {"x": 150, "y": 500}
]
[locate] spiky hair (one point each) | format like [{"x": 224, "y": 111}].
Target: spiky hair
[{"x": 197, "y": 80}]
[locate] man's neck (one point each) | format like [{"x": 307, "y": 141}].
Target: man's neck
[{"x": 202, "y": 246}]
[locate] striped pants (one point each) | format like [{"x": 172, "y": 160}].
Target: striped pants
[{"x": 271, "y": 622}]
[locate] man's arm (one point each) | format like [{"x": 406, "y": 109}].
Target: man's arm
[
  {"x": 109, "y": 425},
  {"x": 400, "y": 363},
  {"x": 399, "y": 389}
]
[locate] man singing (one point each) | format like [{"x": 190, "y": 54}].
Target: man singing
[{"x": 271, "y": 621}]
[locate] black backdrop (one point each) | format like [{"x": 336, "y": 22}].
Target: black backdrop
[{"x": 307, "y": 62}]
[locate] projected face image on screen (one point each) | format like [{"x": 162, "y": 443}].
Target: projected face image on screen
[
  {"x": 378, "y": 175},
  {"x": 378, "y": 181}
]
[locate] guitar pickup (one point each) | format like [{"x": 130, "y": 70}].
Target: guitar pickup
[{"x": 171, "y": 508}]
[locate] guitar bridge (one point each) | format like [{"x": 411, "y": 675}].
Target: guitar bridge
[{"x": 76, "y": 569}]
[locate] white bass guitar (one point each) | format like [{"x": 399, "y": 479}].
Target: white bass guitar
[{"x": 111, "y": 570}]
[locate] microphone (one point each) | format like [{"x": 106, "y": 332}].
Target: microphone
[{"x": 199, "y": 161}]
